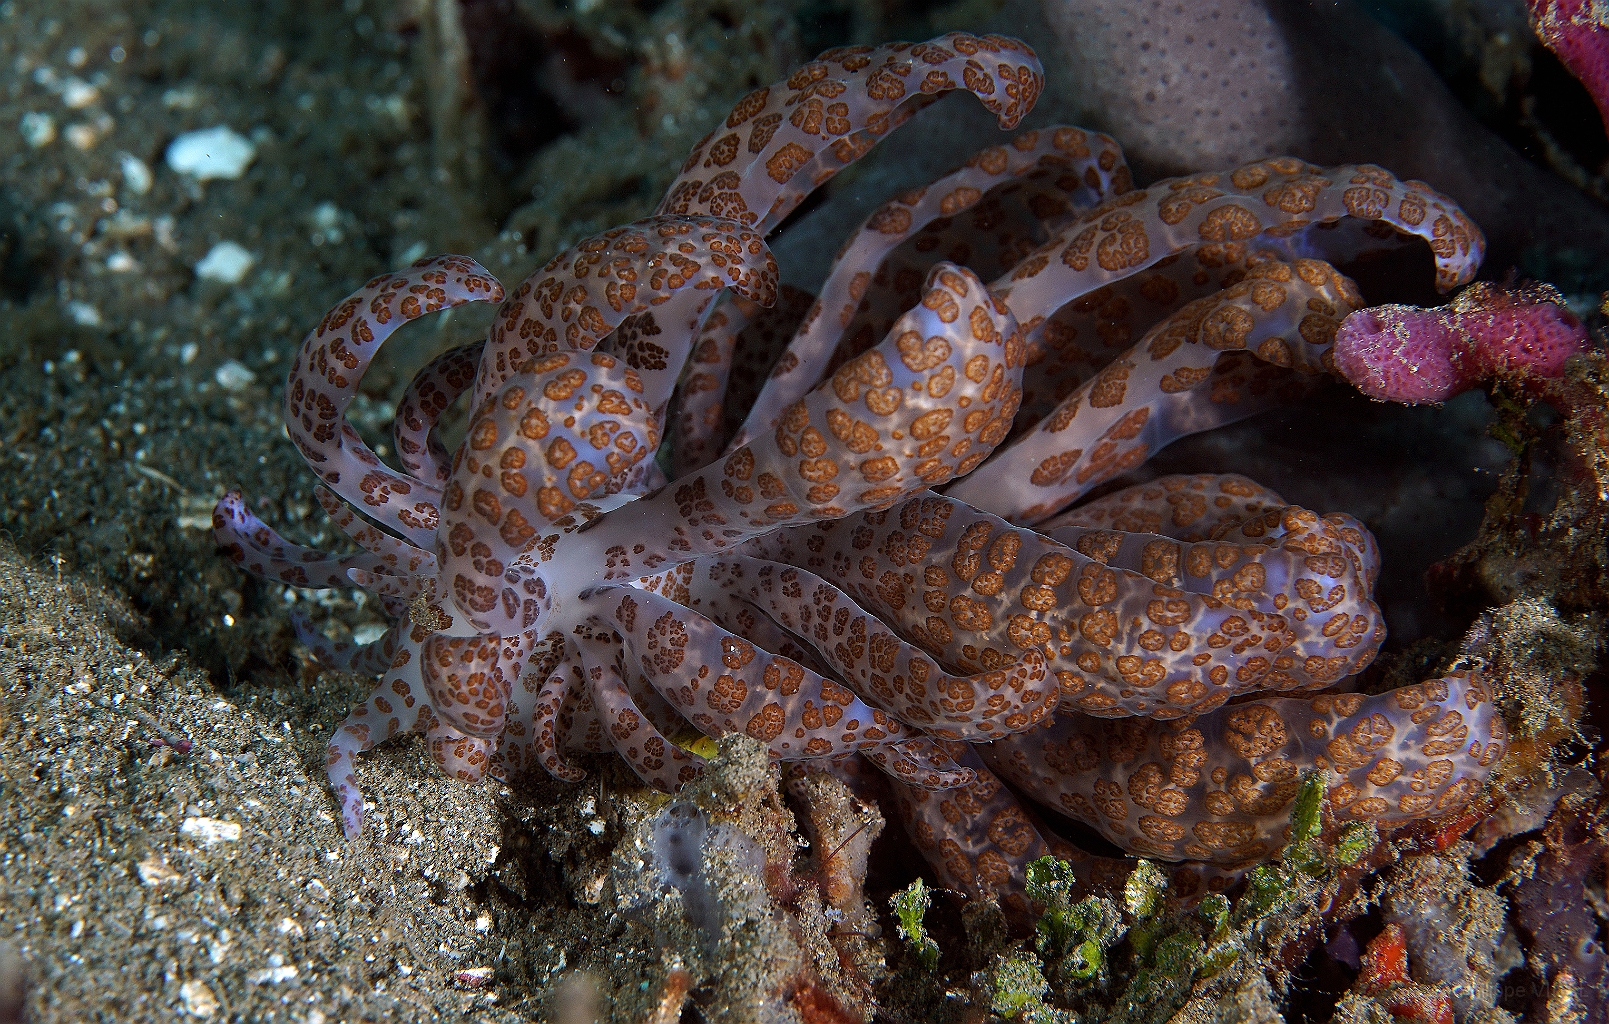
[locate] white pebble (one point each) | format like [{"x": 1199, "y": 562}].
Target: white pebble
[
  {"x": 233, "y": 376},
  {"x": 185, "y": 98},
  {"x": 163, "y": 227},
  {"x": 272, "y": 975},
  {"x": 121, "y": 262},
  {"x": 198, "y": 999},
  {"x": 368, "y": 633},
  {"x": 83, "y": 314},
  {"x": 326, "y": 215},
  {"x": 210, "y": 831},
  {"x": 276, "y": 972},
  {"x": 155, "y": 871},
  {"x": 78, "y": 94},
  {"x": 211, "y": 153},
  {"x": 38, "y": 130},
  {"x": 83, "y": 136},
  {"x": 327, "y": 219},
  {"x": 136, "y": 175},
  {"x": 226, "y": 262}
]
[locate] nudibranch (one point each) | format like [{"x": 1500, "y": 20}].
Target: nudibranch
[{"x": 879, "y": 553}]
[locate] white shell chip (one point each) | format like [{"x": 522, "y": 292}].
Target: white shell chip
[
  {"x": 136, "y": 175},
  {"x": 233, "y": 375},
  {"x": 226, "y": 262},
  {"x": 210, "y": 831},
  {"x": 211, "y": 153}
]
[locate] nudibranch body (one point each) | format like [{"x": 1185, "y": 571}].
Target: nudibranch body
[{"x": 879, "y": 560}]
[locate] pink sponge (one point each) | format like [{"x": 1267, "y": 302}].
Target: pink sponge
[
  {"x": 1577, "y": 31},
  {"x": 1412, "y": 355}
]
